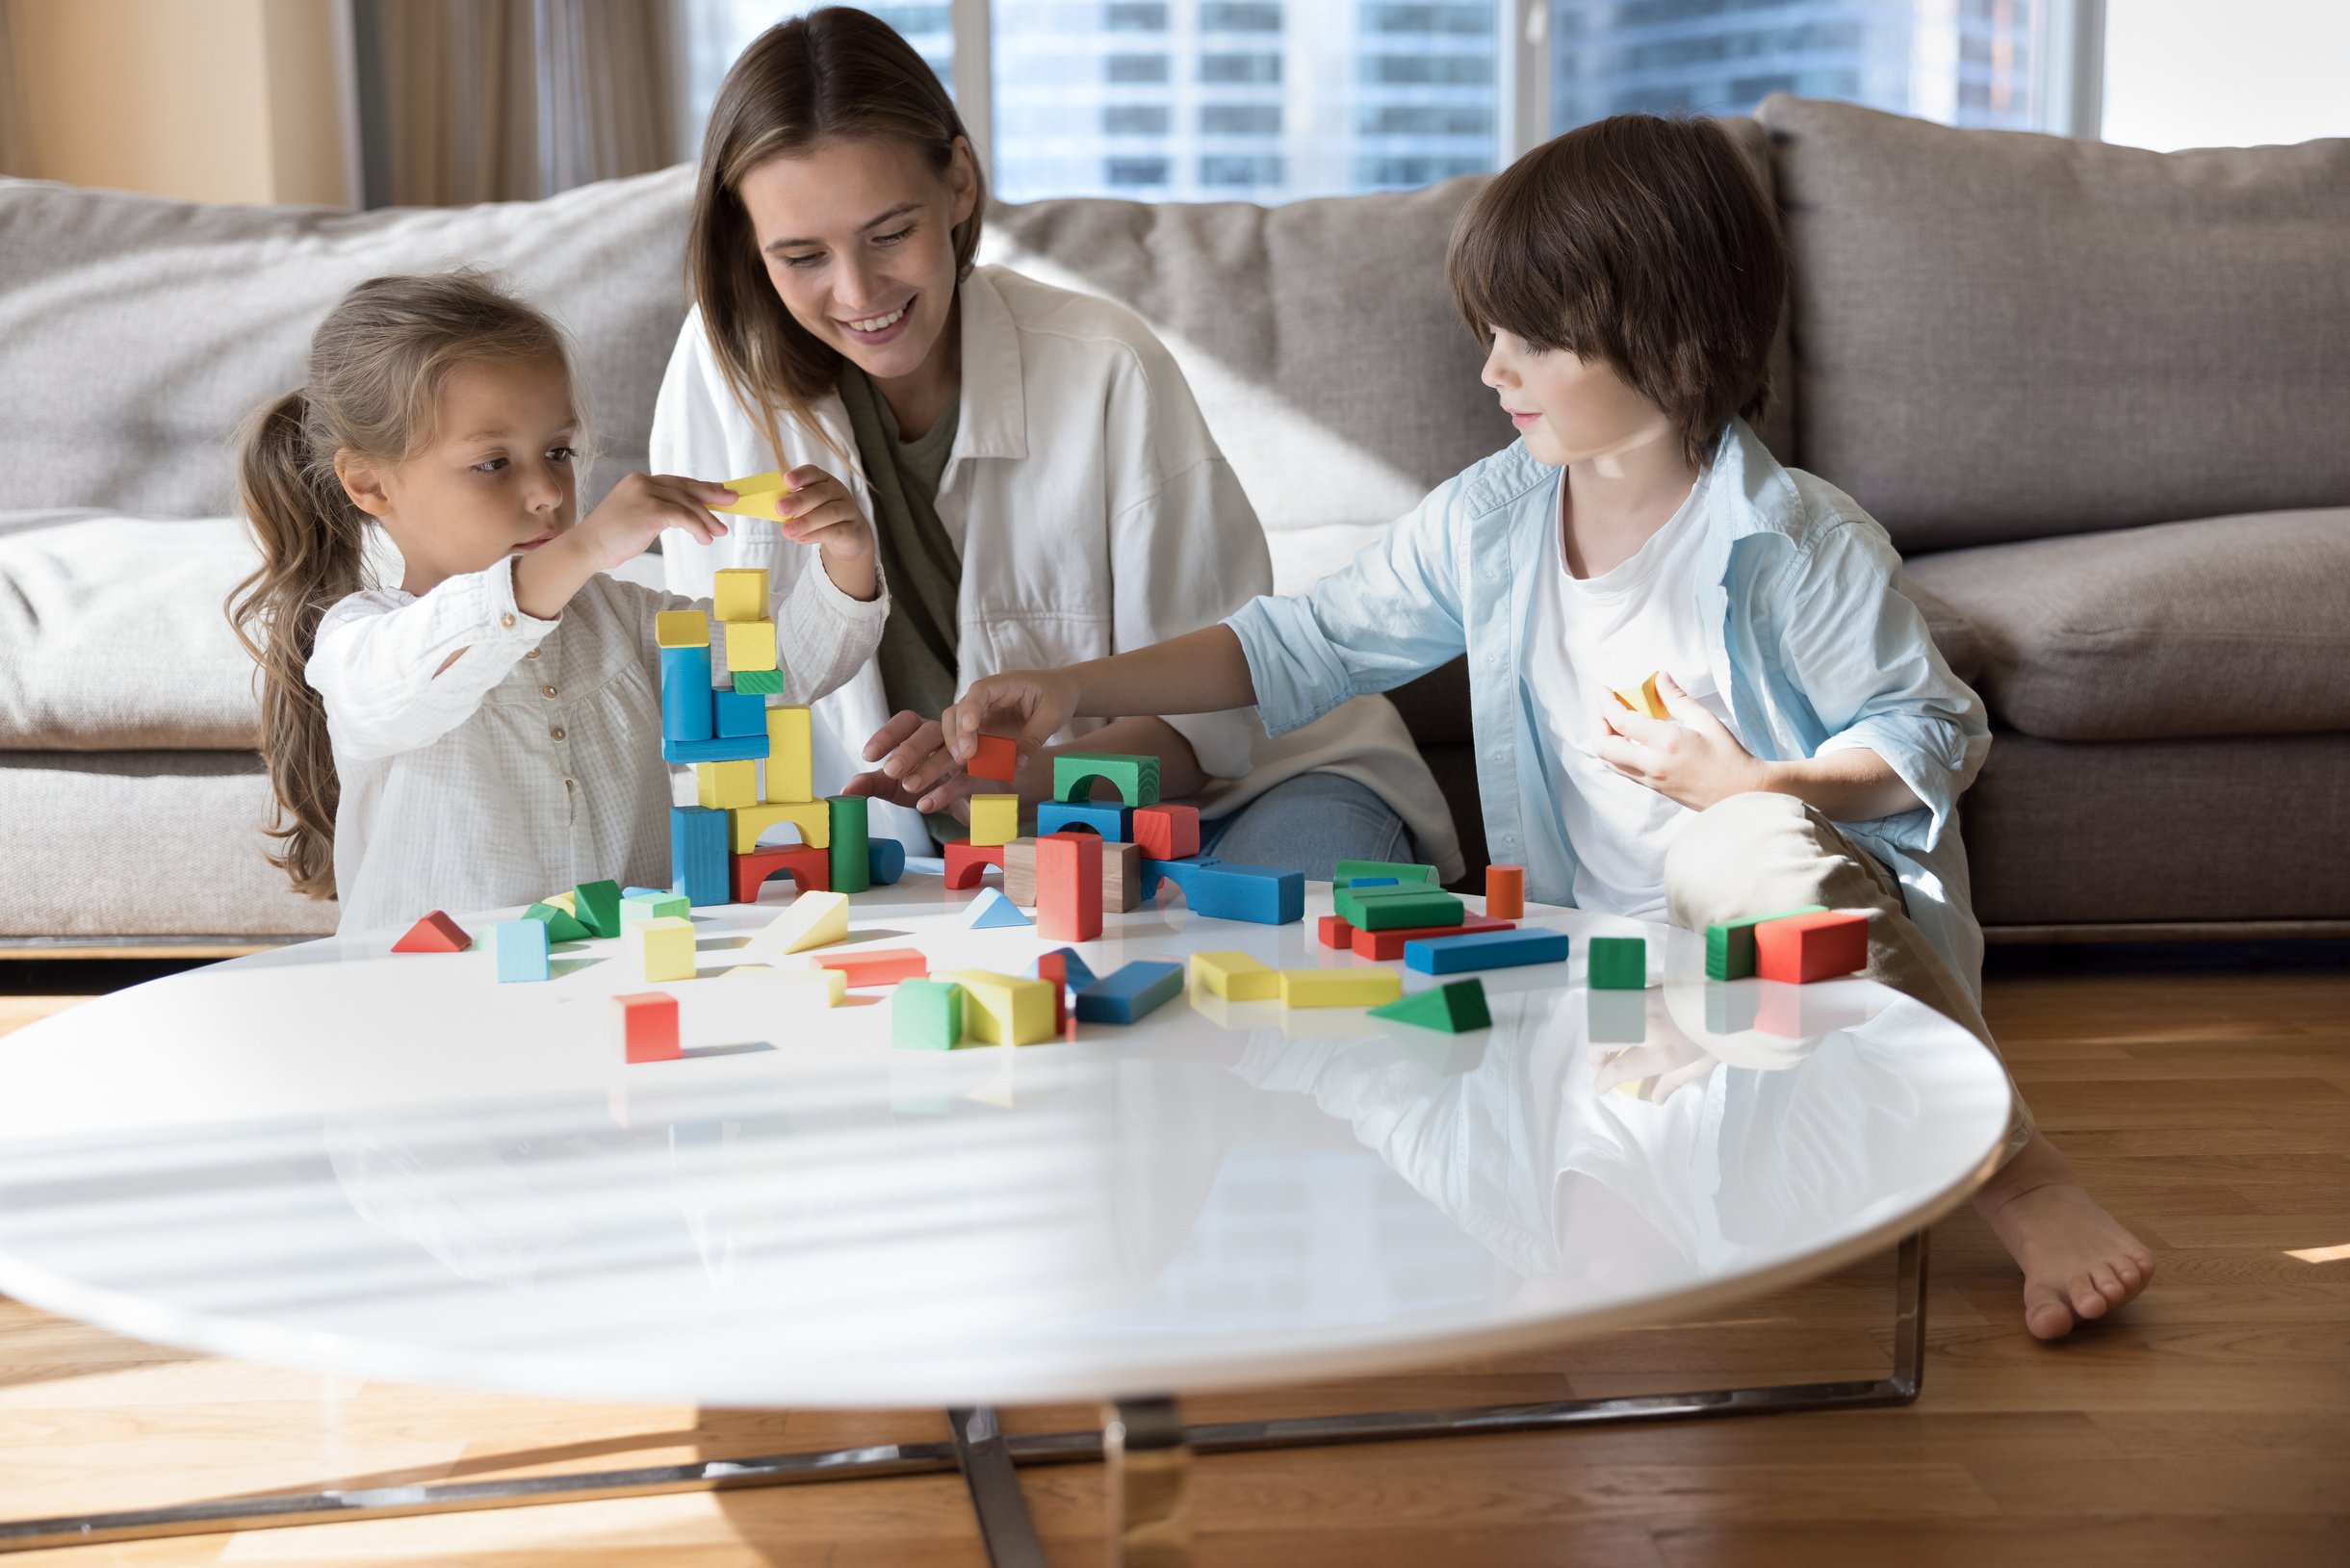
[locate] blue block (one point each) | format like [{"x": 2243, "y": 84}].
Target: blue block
[
  {"x": 740, "y": 714},
  {"x": 1225, "y": 890},
  {"x": 686, "y": 710},
  {"x": 1368, "y": 882},
  {"x": 1485, "y": 950},
  {"x": 884, "y": 862},
  {"x": 1130, "y": 994},
  {"x": 700, "y": 856},
  {"x": 728, "y": 749},
  {"x": 1112, "y": 821},
  {"x": 1078, "y": 972},
  {"x": 991, "y": 910},
  {"x": 521, "y": 949}
]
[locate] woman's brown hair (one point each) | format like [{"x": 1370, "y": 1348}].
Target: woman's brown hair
[
  {"x": 834, "y": 73},
  {"x": 1643, "y": 242},
  {"x": 378, "y": 365}
]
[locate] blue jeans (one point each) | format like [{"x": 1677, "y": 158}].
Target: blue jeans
[{"x": 1310, "y": 823}]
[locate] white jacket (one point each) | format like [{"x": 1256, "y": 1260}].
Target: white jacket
[{"x": 1094, "y": 514}]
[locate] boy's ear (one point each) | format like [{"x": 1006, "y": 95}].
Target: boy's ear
[{"x": 363, "y": 483}]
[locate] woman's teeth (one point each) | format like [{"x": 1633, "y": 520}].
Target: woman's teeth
[{"x": 880, "y": 323}]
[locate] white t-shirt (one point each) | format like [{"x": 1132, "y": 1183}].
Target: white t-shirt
[{"x": 1585, "y": 638}]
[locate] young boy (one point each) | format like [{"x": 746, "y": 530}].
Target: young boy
[{"x": 1628, "y": 278}]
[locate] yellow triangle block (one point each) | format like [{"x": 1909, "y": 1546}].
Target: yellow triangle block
[{"x": 813, "y": 920}]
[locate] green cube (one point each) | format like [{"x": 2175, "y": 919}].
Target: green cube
[
  {"x": 597, "y": 908},
  {"x": 1617, "y": 963},
  {"x": 1729, "y": 946},
  {"x": 926, "y": 1015},
  {"x": 1455, "y": 1009},
  {"x": 635, "y": 909},
  {"x": 561, "y": 927},
  {"x": 767, "y": 682},
  {"x": 1396, "y": 908},
  {"x": 1404, "y": 873},
  {"x": 1134, "y": 775}
]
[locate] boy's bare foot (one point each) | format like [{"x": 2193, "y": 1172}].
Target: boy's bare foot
[{"x": 2078, "y": 1261}]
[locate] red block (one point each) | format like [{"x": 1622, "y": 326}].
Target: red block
[
  {"x": 1167, "y": 832},
  {"x": 1068, "y": 886},
  {"x": 967, "y": 863},
  {"x": 997, "y": 757},
  {"x": 1805, "y": 947},
  {"x": 1506, "y": 892},
  {"x": 435, "y": 932},
  {"x": 648, "y": 1026},
  {"x": 882, "y": 966},
  {"x": 1052, "y": 969},
  {"x": 1387, "y": 947},
  {"x": 809, "y": 868},
  {"x": 1336, "y": 933}
]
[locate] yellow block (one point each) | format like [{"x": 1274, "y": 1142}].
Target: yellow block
[
  {"x": 1645, "y": 701},
  {"x": 1236, "y": 976},
  {"x": 791, "y": 777},
  {"x": 1002, "y": 1008},
  {"x": 567, "y": 901},
  {"x": 811, "y": 920},
  {"x": 995, "y": 819},
  {"x": 1341, "y": 987},
  {"x": 681, "y": 629},
  {"x": 724, "y": 785},
  {"x": 668, "y": 948},
  {"x": 827, "y": 985},
  {"x": 753, "y": 496},
  {"x": 813, "y": 817},
  {"x": 750, "y": 645},
  {"x": 740, "y": 594}
]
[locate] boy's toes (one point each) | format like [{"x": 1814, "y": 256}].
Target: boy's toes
[
  {"x": 2087, "y": 1302},
  {"x": 2045, "y": 1312}
]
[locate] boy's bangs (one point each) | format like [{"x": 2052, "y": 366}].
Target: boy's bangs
[{"x": 1511, "y": 272}]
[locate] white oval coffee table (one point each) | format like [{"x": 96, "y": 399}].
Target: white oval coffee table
[{"x": 394, "y": 1166}]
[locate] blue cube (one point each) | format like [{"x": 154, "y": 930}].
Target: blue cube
[
  {"x": 741, "y": 713},
  {"x": 520, "y": 948}
]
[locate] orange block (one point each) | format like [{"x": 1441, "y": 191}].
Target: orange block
[
  {"x": 1804, "y": 947},
  {"x": 1167, "y": 832},
  {"x": 648, "y": 1026},
  {"x": 882, "y": 966},
  {"x": 1068, "y": 886},
  {"x": 1336, "y": 933},
  {"x": 967, "y": 863},
  {"x": 997, "y": 759},
  {"x": 1506, "y": 892}
]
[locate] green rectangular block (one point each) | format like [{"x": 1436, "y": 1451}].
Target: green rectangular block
[
  {"x": 926, "y": 1015},
  {"x": 1134, "y": 775},
  {"x": 1729, "y": 946},
  {"x": 1617, "y": 963},
  {"x": 1403, "y": 872},
  {"x": 765, "y": 683},
  {"x": 1396, "y": 908}
]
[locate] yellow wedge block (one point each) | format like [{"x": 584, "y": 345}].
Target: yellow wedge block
[
  {"x": 1002, "y": 1008},
  {"x": 753, "y": 496},
  {"x": 1644, "y": 700},
  {"x": 681, "y": 629},
  {"x": 791, "y": 776},
  {"x": 724, "y": 785},
  {"x": 1341, "y": 987},
  {"x": 813, "y": 817},
  {"x": 667, "y": 945},
  {"x": 812, "y": 920},
  {"x": 1236, "y": 976},
  {"x": 750, "y": 645},
  {"x": 566, "y": 901},
  {"x": 995, "y": 819}
]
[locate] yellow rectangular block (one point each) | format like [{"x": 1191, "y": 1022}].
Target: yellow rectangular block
[
  {"x": 995, "y": 819},
  {"x": 829, "y": 987},
  {"x": 681, "y": 629},
  {"x": 754, "y": 496},
  {"x": 724, "y": 785},
  {"x": 1236, "y": 976},
  {"x": 740, "y": 594},
  {"x": 667, "y": 945},
  {"x": 750, "y": 645},
  {"x": 789, "y": 774},
  {"x": 1341, "y": 987},
  {"x": 813, "y": 817},
  {"x": 1002, "y": 1009}
]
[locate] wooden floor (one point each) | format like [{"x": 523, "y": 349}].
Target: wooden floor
[{"x": 2205, "y": 1095}]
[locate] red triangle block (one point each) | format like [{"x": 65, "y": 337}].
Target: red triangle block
[{"x": 435, "y": 932}]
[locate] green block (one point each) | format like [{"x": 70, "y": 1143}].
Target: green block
[
  {"x": 926, "y": 1015},
  {"x": 635, "y": 909},
  {"x": 1729, "y": 948},
  {"x": 767, "y": 682},
  {"x": 1618, "y": 963},
  {"x": 1455, "y": 1009},
  {"x": 1396, "y": 908},
  {"x": 561, "y": 927},
  {"x": 1404, "y": 873},
  {"x": 1136, "y": 777},
  {"x": 598, "y": 904},
  {"x": 1618, "y": 1017},
  {"x": 851, "y": 867}
]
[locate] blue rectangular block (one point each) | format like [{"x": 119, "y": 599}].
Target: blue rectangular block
[
  {"x": 1257, "y": 893},
  {"x": 1131, "y": 994},
  {"x": 521, "y": 949},
  {"x": 726, "y": 749},
  {"x": 700, "y": 855},
  {"x": 1485, "y": 950},
  {"x": 740, "y": 714},
  {"x": 686, "y": 710},
  {"x": 1112, "y": 821},
  {"x": 1369, "y": 882}
]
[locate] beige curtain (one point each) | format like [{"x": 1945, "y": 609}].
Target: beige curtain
[{"x": 15, "y": 134}]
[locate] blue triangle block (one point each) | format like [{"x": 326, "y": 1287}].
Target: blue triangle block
[{"x": 991, "y": 910}]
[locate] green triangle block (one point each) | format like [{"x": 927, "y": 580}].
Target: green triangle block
[
  {"x": 561, "y": 927},
  {"x": 1455, "y": 1009},
  {"x": 598, "y": 907}
]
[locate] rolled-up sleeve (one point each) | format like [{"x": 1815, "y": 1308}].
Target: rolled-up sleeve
[{"x": 378, "y": 661}]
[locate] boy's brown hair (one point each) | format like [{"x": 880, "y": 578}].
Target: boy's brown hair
[{"x": 1643, "y": 242}]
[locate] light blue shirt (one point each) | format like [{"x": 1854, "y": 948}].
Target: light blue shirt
[{"x": 1815, "y": 647}]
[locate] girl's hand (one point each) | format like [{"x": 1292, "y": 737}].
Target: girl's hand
[
  {"x": 1031, "y": 705},
  {"x": 917, "y": 770},
  {"x": 1690, "y": 757},
  {"x": 628, "y": 519}
]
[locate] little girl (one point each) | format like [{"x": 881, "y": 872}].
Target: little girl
[{"x": 489, "y": 731}]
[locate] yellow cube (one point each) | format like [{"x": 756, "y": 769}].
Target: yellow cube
[
  {"x": 813, "y": 817},
  {"x": 681, "y": 629},
  {"x": 750, "y": 645},
  {"x": 1341, "y": 987},
  {"x": 995, "y": 819},
  {"x": 724, "y": 785},
  {"x": 1002, "y": 1008},
  {"x": 1236, "y": 976},
  {"x": 739, "y": 593},
  {"x": 668, "y": 948},
  {"x": 791, "y": 777}
]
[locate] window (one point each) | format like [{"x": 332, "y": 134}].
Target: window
[
  {"x": 1136, "y": 67},
  {"x": 1261, "y": 170},
  {"x": 1240, "y": 67},
  {"x": 1224, "y": 16},
  {"x": 1126, "y": 173},
  {"x": 1132, "y": 19},
  {"x": 1240, "y": 120},
  {"x": 1134, "y": 119}
]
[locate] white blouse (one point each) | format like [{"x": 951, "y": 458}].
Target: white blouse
[{"x": 533, "y": 761}]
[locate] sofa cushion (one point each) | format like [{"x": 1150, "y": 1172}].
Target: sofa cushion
[
  {"x": 2227, "y": 625},
  {"x": 1955, "y": 635},
  {"x": 2002, "y": 336}
]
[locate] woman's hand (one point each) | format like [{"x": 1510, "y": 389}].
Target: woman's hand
[
  {"x": 1690, "y": 757},
  {"x": 1030, "y": 705},
  {"x": 817, "y": 509},
  {"x": 915, "y": 768}
]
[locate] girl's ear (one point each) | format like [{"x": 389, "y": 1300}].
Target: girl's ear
[
  {"x": 963, "y": 179},
  {"x": 363, "y": 483}
]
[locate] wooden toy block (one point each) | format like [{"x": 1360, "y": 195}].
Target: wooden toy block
[
  {"x": 1166, "y": 832},
  {"x": 995, "y": 818},
  {"x": 809, "y": 868},
  {"x": 1002, "y": 1009},
  {"x": 1226, "y": 892},
  {"x": 1063, "y": 966},
  {"x": 1506, "y": 891},
  {"x": 790, "y": 768},
  {"x": 813, "y": 920},
  {"x": 1403, "y": 872},
  {"x": 884, "y": 862},
  {"x": 1068, "y": 886},
  {"x": 1339, "y": 988},
  {"x": 595, "y": 905},
  {"x": 1616, "y": 963},
  {"x": 1617, "y": 1017},
  {"x": 1386, "y": 908},
  {"x": 1131, "y": 994},
  {"x": 1485, "y": 950},
  {"x": 852, "y": 866},
  {"x": 566, "y": 901},
  {"x": 648, "y": 1026},
  {"x": 1386, "y": 946},
  {"x": 1104, "y": 819},
  {"x": 698, "y": 854},
  {"x": 716, "y": 749},
  {"x": 562, "y": 926},
  {"x": 823, "y": 987},
  {"x": 687, "y": 713},
  {"x": 645, "y": 904},
  {"x": 740, "y": 714},
  {"x": 996, "y": 758},
  {"x": 722, "y": 787},
  {"x": 1361, "y": 884},
  {"x": 1122, "y": 875},
  {"x": 813, "y": 817},
  {"x": 1236, "y": 976},
  {"x": 666, "y": 946},
  {"x": 1643, "y": 699},
  {"x": 519, "y": 947},
  {"x": 1800, "y": 948},
  {"x": 750, "y": 645},
  {"x": 1729, "y": 945},
  {"x": 877, "y": 966},
  {"x": 991, "y": 911},
  {"x": 1453, "y": 1009},
  {"x": 755, "y": 497},
  {"x": 1335, "y": 933},
  {"x": 967, "y": 863},
  {"x": 926, "y": 1015},
  {"x": 435, "y": 932},
  {"x": 1135, "y": 776},
  {"x": 739, "y": 595},
  {"x": 681, "y": 629},
  {"x": 765, "y": 683}
]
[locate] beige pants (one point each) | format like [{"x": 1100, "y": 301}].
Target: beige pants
[{"x": 1752, "y": 854}]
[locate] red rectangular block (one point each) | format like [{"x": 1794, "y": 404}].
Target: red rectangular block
[
  {"x": 881, "y": 967},
  {"x": 1506, "y": 892},
  {"x": 1336, "y": 933},
  {"x": 997, "y": 759},
  {"x": 967, "y": 863},
  {"x": 1068, "y": 886},
  {"x": 1167, "y": 832},
  {"x": 1805, "y": 947},
  {"x": 648, "y": 1026},
  {"x": 810, "y": 870},
  {"x": 1387, "y": 947}
]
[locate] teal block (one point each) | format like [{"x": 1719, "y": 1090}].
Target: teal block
[
  {"x": 520, "y": 948},
  {"x": 1617, "y": 963},
  {"x": 687, "y": 712},
  {"x": 926, "y": 1015},
  {"x": 1135, "y": 776}
]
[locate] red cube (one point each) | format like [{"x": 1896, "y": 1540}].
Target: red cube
[
  {"x": 997, "y": 759},
  {"x": 1804, "y": 947},
  {"x": 1167, "y": 832},
  {"x": 1336, "y": 933},
  {"x": 648, "y": 1026}
]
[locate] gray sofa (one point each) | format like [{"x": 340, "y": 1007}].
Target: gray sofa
[{"x": 2100, "y": 396}]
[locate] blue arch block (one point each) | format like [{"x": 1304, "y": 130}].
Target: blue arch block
[{"x": 1112, "y": 821}]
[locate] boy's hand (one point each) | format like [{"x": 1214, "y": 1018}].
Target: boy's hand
[
  {"x": 1031, "y": 705},
  {"x": 1690, "y": 757},
  {"x": 629, "y": 519},
  {"x": 917, "y": 770}
]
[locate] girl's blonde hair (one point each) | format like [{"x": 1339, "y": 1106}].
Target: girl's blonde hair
[
  {"x": 834, "y": 73},
  {"x": 377, "y": 366}
]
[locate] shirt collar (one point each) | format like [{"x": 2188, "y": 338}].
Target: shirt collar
[{"x": 994, "y": 417}]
